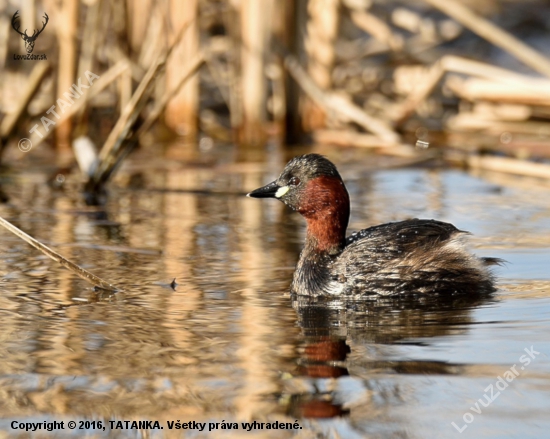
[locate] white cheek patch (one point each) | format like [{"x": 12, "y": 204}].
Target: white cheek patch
[{"x": 281, "y": 191}]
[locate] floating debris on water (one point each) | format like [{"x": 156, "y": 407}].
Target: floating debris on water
[
  {"x": 173, "y": 284},
  {"x": 421, "y": 144}
]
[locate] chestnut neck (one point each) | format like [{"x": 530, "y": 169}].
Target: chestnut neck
[{"x": 326, "y": 208}]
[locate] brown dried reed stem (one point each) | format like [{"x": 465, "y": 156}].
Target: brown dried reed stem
[
  {"x": 493, "y": 33},
  {"x": 71, "y": 266}
]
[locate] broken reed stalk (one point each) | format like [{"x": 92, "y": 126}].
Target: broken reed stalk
[
  {"x": 504, "y": 165},
  {"x": 351, "y": 138},
  {"x": 114, "y": 149},
  {"x": 348, "y": 138},
  {"x": 458, "y": 64},
  {"x": 506, "y": 82},
  {"x": 494, "y": 34},
  {"x": 419, "y": 94},
  {"x": 182, "y": 111},
  {"x": 66, "y": 69},
  {"x": 193, "y": 66},
  {"x": 377, "y": 28},
  {"x": 79, "y": 271},
  {"x": 337, "y": 104},
  {"x": 35, "y": 79},
  {"x": 108, "y": 157},
  {"x": 114, "y": 159},
  {"x": 91, "y": 37}
]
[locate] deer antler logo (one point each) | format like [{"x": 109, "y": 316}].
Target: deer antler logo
[{"x": 29, "y": 41}]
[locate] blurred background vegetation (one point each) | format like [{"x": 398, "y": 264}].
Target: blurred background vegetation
[{"x": 459, "y": 81}]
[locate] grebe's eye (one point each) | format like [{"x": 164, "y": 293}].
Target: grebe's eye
[{"x": 294, "y": 181}]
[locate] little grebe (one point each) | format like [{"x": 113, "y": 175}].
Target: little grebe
[{"x": 411, "y": 256}]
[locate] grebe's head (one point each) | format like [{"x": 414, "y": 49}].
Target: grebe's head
[
  {"x": 301, "y": 180},
  {"x": 297, "y": 179}
]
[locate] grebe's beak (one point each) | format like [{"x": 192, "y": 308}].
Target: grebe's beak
[{"x": 271, "y": 190}]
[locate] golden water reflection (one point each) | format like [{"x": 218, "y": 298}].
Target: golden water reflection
[{"x": 229, "y": 342}]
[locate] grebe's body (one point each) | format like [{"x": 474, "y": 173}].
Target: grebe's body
[{"x": 415, "y": 256}]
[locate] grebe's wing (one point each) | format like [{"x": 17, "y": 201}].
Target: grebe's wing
[{"x": 403, "y": 236}]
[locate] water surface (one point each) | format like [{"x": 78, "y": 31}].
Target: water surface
[{"x": 229, "y": 343}]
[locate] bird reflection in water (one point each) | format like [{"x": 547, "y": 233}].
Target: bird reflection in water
[{"x": 330, "y": 326}]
